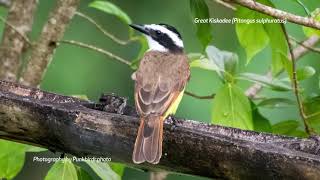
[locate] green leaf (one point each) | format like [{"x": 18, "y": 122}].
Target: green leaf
[
  {"x": 305, "y": 73},
  {"x": 311, "y": 31},
  {"x": 274, "y": 84},
  {"x": 306, "y": 10},
  {"x": 199, "y": 9},
  {"x": 289, "y": 127},
  {"x": 285, "y": 127},
  {"x": 278, "y": 45},
  {"x": 260, "y": 123},
  {"x": 30, "y": 148},
  {"x": 312, "y": 110},
  {"x": 275, "y": 102},
  {"x": 82, "y": 174},
  {"x": 112, "y": 9},
  {"x": 144, "y": 46},
  {"x": 223, "y": 62},
  {"x": 287, "y": 64},
  {"x": 278, "y": 42},
  {"x": 12, "y": 156},
  {"x": 255, "y": 37},
  {"x": 117, "y": 168},
  {"x": 232, "y": 108},
  {"x": 252, "y": 37},
  {"x": 205, "y": 63},
  {"x": 62, "y": 170},
  {"x": 194, "y": 56},
  {"x": 103, "y": 170}
]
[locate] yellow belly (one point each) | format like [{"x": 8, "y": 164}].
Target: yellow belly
[{"x": 173, "y": 108}]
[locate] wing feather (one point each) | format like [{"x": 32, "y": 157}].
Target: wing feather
[{"x": 159, "y": 80}]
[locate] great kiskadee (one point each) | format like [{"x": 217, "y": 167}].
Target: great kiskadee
[{"x": 159, "y": 85}]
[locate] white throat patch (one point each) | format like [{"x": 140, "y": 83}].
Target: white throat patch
[{"x": 154, "y": 45}]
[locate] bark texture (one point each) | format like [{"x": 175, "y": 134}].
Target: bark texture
[
  {"x": 20, "y": 16},
  {"x": 108, "y": 129},
  {"x": 44, "y": 48}
]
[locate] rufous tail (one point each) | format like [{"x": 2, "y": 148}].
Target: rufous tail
[{"x": 148, "y": 145}]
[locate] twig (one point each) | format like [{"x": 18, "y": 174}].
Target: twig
[
  {"x": 199, "y": 97},
  {"x": 25, "y": 38},
  {"x": 225, "y": 4},
  {"x": 298, "y": 52},
  {"x": 251, "y": 4},
  {"x": 14, "y": 39},
  {"x": 45, "y": 46},
  {"x": 295, "y": 81},
  {"x": 83, "y": 45},
  {"x": 313, "y": 49},
  {"x": 106, "y": 33}
]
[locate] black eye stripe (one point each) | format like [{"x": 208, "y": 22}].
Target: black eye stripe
[
  {"x": 171, "y": 28},
  {"x": 167, "y": 42}
]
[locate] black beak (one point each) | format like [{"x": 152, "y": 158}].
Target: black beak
[{"x": 139, "y": 28}]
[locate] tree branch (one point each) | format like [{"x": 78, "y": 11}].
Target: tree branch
[
  {"x": 298, "y": 52},
  {"x": 310, "y": 48},
  {"x": 106, "y": 33},
  {"x": 199, "y": 97},
  {"x": 94, "y": 48},
  {"x": 225, "y": 4},
  {"x": 295, "y": 83},
  {"x": 79, "y": 127},
  {"x": 17, "y": 26},
  {"x": 251, "y": 4},
  {"x": 44, "y": 48}
]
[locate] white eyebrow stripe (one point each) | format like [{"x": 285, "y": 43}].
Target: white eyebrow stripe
[{"x": 171, "y": 34}]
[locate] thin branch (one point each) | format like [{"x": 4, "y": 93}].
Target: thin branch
[
  {"x": 298, "y": 52},
  {"x": 313, "y": 49},
  {"x": 295, "y": 81},
  {"x": 100, "y": 28},
  {"x": 81, "y": 128},
  {"x": 102, "y": 51},
  {"x": 25, "y": 38},
  {"x": 251, "y": 4},
  {"x": 44, "y": 48},
  {"x": 199, "y": 97},
  {"x": 14, "y": 39},
  {"x": 226, "y": 4}
]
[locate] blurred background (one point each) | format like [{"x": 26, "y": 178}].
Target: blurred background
[{"x": 78, "y": 71}]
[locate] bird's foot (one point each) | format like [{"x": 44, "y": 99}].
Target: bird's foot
[{"x": 173, "y": 122}]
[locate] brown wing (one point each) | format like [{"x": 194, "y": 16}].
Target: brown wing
[{"x": 159, "y": 80}]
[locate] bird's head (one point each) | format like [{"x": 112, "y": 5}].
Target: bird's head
[{"x": 161, "y": 37}]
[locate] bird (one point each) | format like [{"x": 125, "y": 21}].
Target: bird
[{"x": 160, "y": 81}]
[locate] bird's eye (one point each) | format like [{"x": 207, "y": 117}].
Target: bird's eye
[{"x": 158, "y": 32}]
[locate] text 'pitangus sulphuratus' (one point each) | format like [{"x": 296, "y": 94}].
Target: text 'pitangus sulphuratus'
[{"x": 159, "y": 85}]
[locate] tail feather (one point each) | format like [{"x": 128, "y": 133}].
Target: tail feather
[
  {"x": 137, "y": 155},
  {"x": 159, "y": 154},
  {"x": 148, "y": 146}
]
